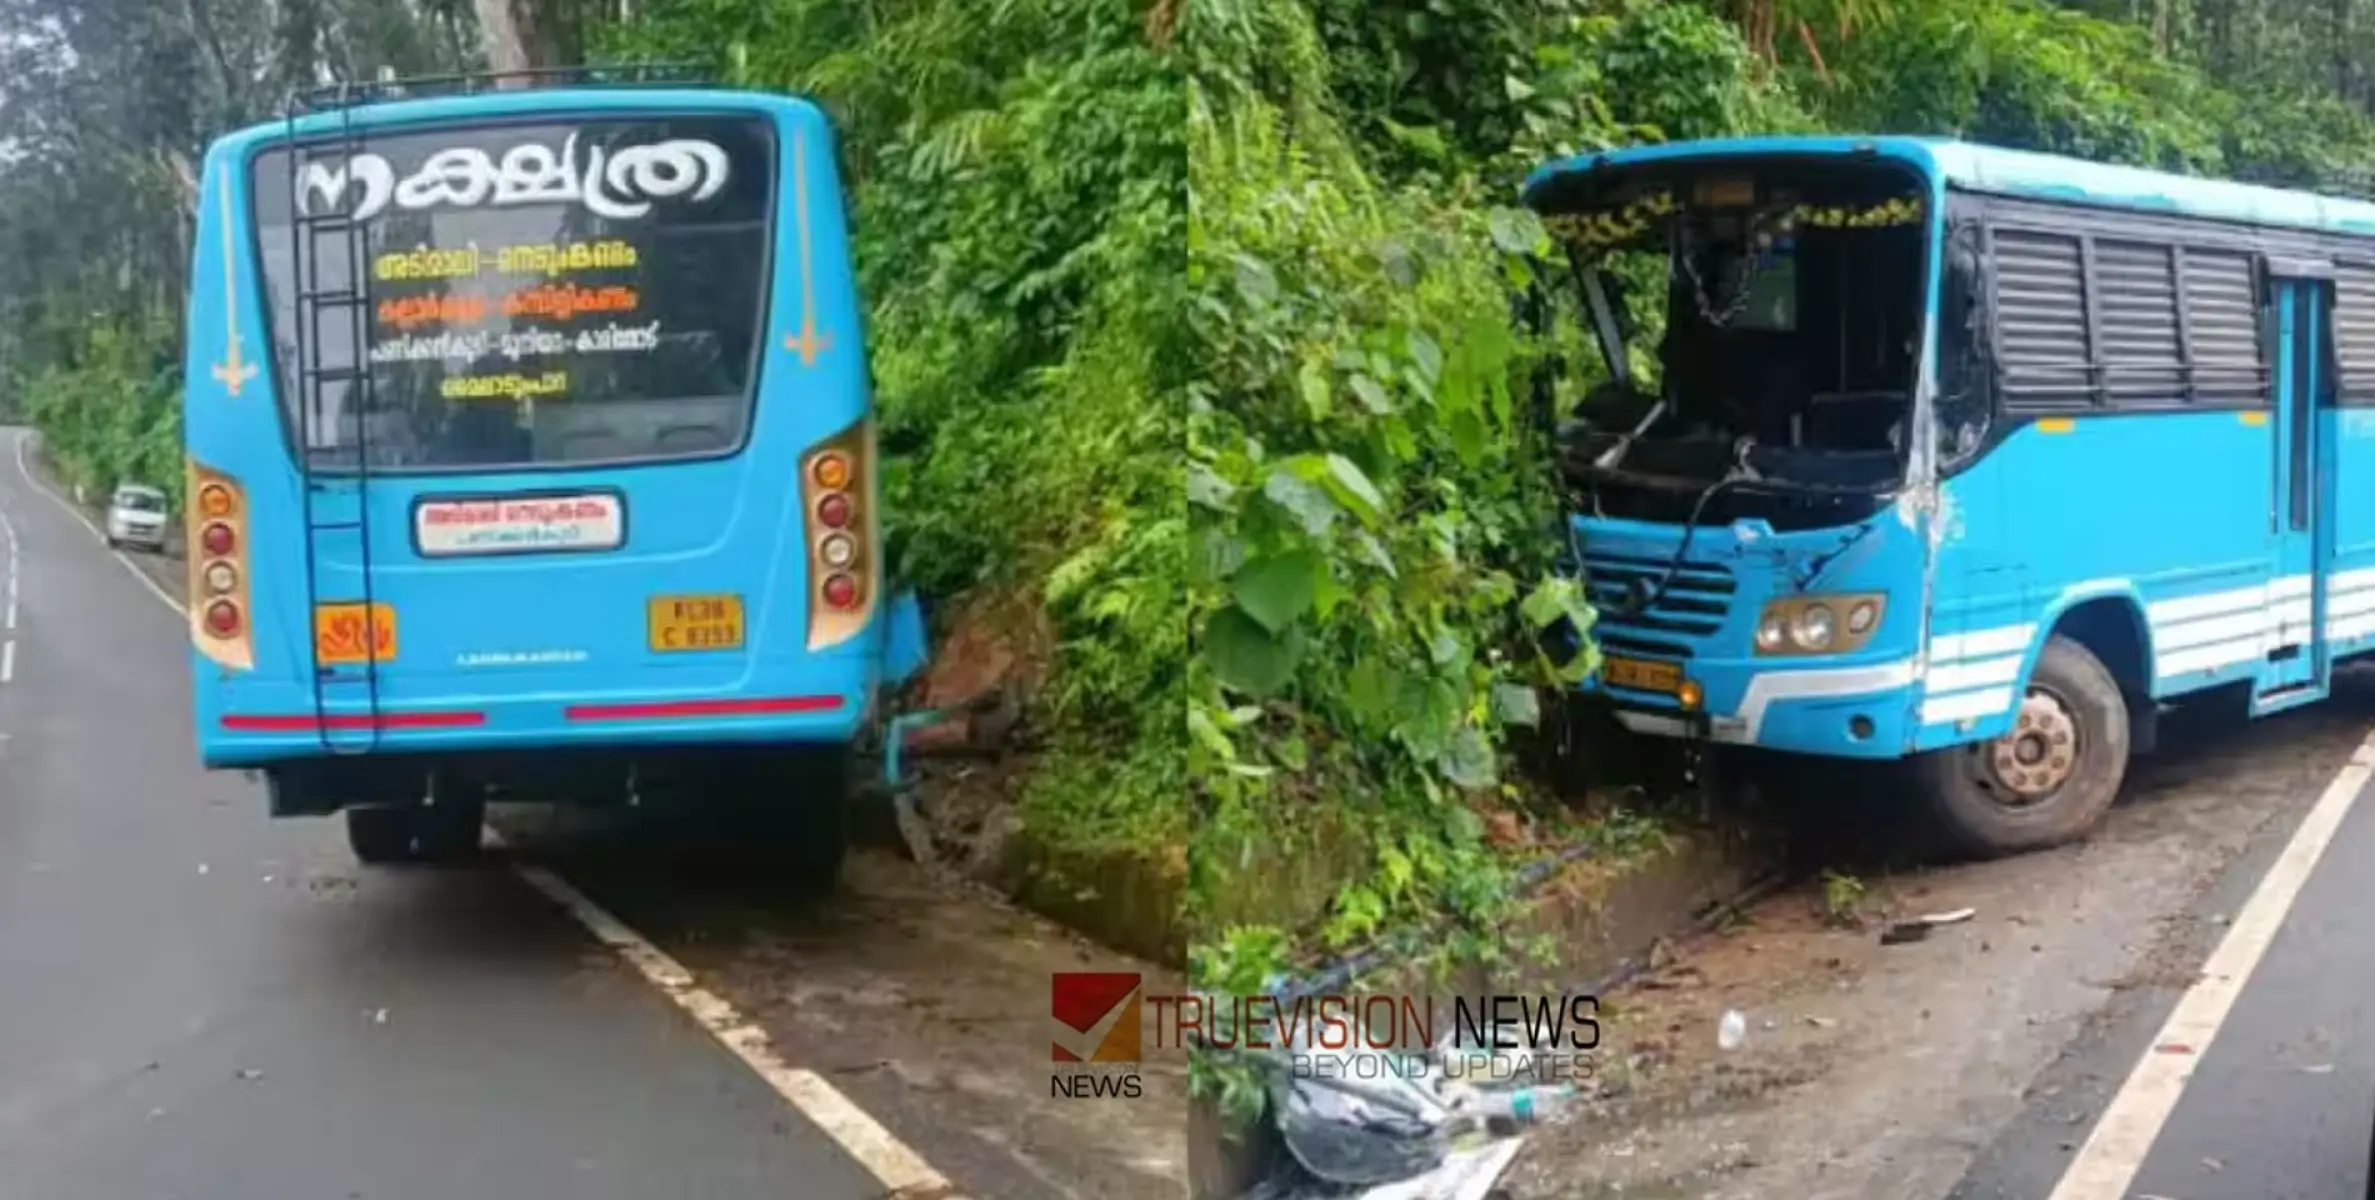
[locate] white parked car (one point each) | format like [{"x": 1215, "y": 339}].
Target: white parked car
[{"x": 136, "y": 516}]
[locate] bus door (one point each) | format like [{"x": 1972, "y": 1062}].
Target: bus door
[{"x": 2300, "y": 294}]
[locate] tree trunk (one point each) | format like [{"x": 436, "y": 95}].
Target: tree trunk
[
  {"x": 2344, "y": 83},
  {"x": 509, "y": 30}
]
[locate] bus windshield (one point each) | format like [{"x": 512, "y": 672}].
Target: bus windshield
[
  {"x": 539, "y": 293},
  {"x": 1759, "y": 318}
]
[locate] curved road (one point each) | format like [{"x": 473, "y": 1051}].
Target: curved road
[{"x": 199, "y": 1003}]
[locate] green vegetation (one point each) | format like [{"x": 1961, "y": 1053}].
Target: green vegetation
[
  {"x": 1021, "y": 226},
  {"x": 1372, "y": 519}
]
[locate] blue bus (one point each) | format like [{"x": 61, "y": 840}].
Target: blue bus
[
  {"x": 1964, "y": 462},
  {"x": 530, "y": 454}
]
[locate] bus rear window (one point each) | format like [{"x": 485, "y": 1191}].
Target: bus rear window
[{"x": 537, "y": 293}]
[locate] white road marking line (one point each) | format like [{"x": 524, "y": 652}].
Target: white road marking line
[
  {"x": 127, "y": 564},
  {"x": 7, "y": 530},
  {"x": 8, "y": 579},
  {"x": 2117, "y": 1147},
  {"x": 860, "y": 1136}
]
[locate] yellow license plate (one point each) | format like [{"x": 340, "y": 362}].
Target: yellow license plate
[
  {"x": 338, "y": 634},
  {"x": 682, "y": 623},
  {"x": 1641, "y": 674}
]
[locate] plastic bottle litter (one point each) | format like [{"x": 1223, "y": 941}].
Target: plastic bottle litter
[
  {"x": 1732, "y": 1030},
  {"x": 1517, "y": 1106}
]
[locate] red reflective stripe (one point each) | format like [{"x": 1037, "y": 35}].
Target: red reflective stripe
[
  {"x": 308, "y": 723},
  {"x": 702, "y": 708}
]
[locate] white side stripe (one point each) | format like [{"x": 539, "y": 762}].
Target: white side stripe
[
  {"x": 1978, "y": 673},
  {"x": 1965, "y": 706},
  {"x": 2212, "y": 657},
  {"x": 2233, "y": 627},
  {"x": 2351, "y": 603},
  {"x": 1981, "y": 643}
]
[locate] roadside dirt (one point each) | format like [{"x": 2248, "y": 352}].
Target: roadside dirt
[
  {"x": 1873, "y": 1070},
  {"x": 925, "y": 999}
]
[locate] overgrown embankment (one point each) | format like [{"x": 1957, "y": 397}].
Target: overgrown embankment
[{"x": 1372, "y": 516}]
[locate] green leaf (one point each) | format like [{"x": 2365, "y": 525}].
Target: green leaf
[
  {"x": 1318, "y": 393},
  {"x": 1517, "y": 705},
  {"x": 1278, "y": 589},
  {"x": 1331, "y": 593},
  {"x": 1208, "y": 489},
  {"x": 1245, "y": 657},
  {"x": 1371, "y": 688},
  {"x": 1374, "y": 552},
  {"x": 1351, "y": 487},
  {"x": 1467, "y": 436},
  {"x": 1216, "y": 556},
  {"x": 1255, "y": 281},
  {"x": 1515, "y": 230},
  {"x": 1307, "y": 502},
  {"x": 1468, "y": 762},
  {"x": 1201, "y": 727},
  {"x": 1516, "y": 89},
  {"x": 1372, "y": 395},
  {"x": 1556, "y": 596},
  {"x": 1447, "y": 649},
  {"x": 1426, "y": 355}
]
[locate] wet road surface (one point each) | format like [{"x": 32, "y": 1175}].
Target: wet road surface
[{"x": 198, "y": 1002}]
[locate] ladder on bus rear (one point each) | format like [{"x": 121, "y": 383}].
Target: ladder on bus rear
[{"x": 336, "y": 508}]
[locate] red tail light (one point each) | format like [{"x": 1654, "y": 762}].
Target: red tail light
[
  {"x": 841, "y": 591},
  {"x": 218, "y": 588},
  {"x": 837, "y": 482}
]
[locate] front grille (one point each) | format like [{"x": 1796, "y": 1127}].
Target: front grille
[{"x": 1694, "y": 605}]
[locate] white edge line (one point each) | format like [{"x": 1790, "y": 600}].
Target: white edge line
[
  {"x": 7, "y": 660},
  {"x": 2107, "y": 1163},
  {"x": 875, "y": 1148},
  {"x": 858, "y": 1134},
  {"x": 127, "y": 564}
]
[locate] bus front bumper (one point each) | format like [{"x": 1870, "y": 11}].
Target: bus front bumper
[{"x": 1854, "y": 711}]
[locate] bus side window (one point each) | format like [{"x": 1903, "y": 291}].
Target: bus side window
[{"x": 1966, "y": 376}]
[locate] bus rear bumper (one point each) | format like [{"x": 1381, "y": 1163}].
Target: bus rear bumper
[
  {"x": 264, "y": 734},
  {"x": 1861, "y": 711}
]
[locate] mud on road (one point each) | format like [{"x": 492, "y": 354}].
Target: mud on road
[{"x": 1884, "y": 1070}]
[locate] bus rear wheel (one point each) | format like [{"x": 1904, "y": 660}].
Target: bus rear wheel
[
  {"x": 2046, "y": 781},
  {"x": 445, "y": 826},
  {"x": 787, "y": 816}
]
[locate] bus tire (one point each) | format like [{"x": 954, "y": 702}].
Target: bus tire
[
  {"x": 802, "y": 823},
  {"x": 2051, "y": 778},
  {"x": 382, "y": 835},
  {"x": 446, "y": 828}
]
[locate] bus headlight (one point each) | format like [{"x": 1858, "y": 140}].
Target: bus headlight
[
  {"x": 1813, "y": 627},
  {"x": 1813, "y": 624}
]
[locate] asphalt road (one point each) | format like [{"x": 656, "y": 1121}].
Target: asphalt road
[
  {"x": 2281, "y": 1104},
  {"x": 198, "y": 1003}
]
